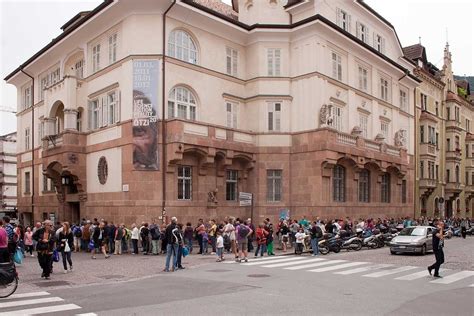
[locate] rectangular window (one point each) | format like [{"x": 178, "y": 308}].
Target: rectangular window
[
  {"x": 337, "y": 114},
  {"x": 184, "y": 183},
  {"x": 384, "y": 89},
  {"x": 273, "y": 61},
  {"x": 384, "y": 126},
  {"x": 232, "y": 57},
  {"x": 95, "y": 110},
  {"x": 456, "y": 114},
  {"x": 171, "y": 109},
  {"x": 362, "y": 32},
  {"x": 27, "y": 138},
  {"x": 422, "y": 134},
  {"x": 456, "y": 143},
  {"x": 422, "y": 169},
  {"x": 448, "y": 175},
  {"x": 363, "y": 122},
  {"x": 424, "y": 102},
  {"x": 343, "y": 20},
  {"x": 113, "y": 48},
  {"x": 79, "y": 121},
  {"x": 472, "y": 178},
  {"x": 231, "y": 185},
  {"x": 79, "y": 69},
  {"x": 437, "y": 140},
  {"x": 404, "y": 191},
  {"x": 437, "y": 108},
  {"x": 27, "y": 97},
  {"x": 336, "y": 66},
  {"x": 274, "y": 116},
  {"x": 468, "y": 126},
  {"x": 45, "y": 183},
  {"x": 403, "y": 101},
  {"x": 467, "y": 178},
  {"x": 96, "y": 58},
  {"x": 379, "y": 43},
  {"x": 364, "y": 186},
  {"x": 274, "y": 185},
  {"x": 231, "y": 112},
  {"x": 27, "y": 182},
  {"x": 112, "y": 107},
  {"x": 448, "y": 114},
  {"x": 385, "y": 188},
  {"x": 363, "y": 79},
  {"x": 437, "y": 172},
  {"x": 448, "y": 144}
]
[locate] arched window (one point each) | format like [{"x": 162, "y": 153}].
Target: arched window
[
  {"x": 385, "y": 188},
  {"x": 364, "y": 186},
  {"x": 181, "y": 104},
  {"x": 339, "y": 183},
  {"x": 181, "y": 46}
]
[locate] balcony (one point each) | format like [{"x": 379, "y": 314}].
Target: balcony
[
  {"x": 371, "y": 145},
  {"x": 66, "y": 141},
  {"x": 454, "y": 155},
  {"x": 454, "y": 187},
  {"x": 453, "y": 126},
  {"x": 427, "y": 149},
  {"x": 428, "y": 183}
]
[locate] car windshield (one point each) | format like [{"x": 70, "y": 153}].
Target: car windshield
[{"x": 413, "y": 231}]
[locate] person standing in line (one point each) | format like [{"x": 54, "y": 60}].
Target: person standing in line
[
  {"x": 4, "y": 254},
  {"x": 111, "y": 237},
  {"x": 251, "y": 236},
  {"x": 119, "y": 235},
  {"x": 135, "y": 236},
  {"x": 100, "y": 240},
  {"x": 77, "y": 233},
  {"x": 220, "y": 247},
  {"x": 179, "y": 234},
  {"x": 243, "y": 232},
  {"x": 316, "y": 233},
  {"x": 145, "y": 235},
  {"x": 188, "y": 236},
  {"x": 438, "y": 245},
  {"x": 86, "y": 235},
  {"x": 155, "y": 237},
  {"x": 300, "y": 236},
  {"x": 285, "y": 235},
  {"x": 229, "y": 230},
  {"x": 200, "y": 229},
  {"x": 261, "y": 234},
  {"x": 205, "y": 241},
  {"x": 212, "y": 235},
  {"x": 172, "y": 245},
  {"x": 269, "y": 229},
  {"x": 66, "y": 244},
  {"x": 29, "y": 241},
  {"x": 45, "y": 238}
]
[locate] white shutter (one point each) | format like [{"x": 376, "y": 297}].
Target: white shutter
[
  {"x": 117, "y": 107},
  {"x": 278, "y": 117},
  {"x": 270, "y": 61},
  {"x": 383, "y": 45},
  {"x": 334, "y": 64},
  {"x": 235, "y": 110},
  {"x": 102, "y": 111},
  {"x": 277, "y": 61},
  {"x": 89, "y": 115},
  {"x": 235, "y": 57},
  {"x": 358, "y": 29},
  {"x": 229, "y": 113},
  {"x": 366, "y": 31},
  {"x": 348, "y": 23},
  {"x": 338, "y": 17}
]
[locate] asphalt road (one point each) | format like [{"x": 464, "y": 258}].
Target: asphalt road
[{"x": 357, "y": 283}]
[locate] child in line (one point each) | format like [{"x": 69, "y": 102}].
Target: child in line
[
  {"x": 220, "y": 247},
  {"x": 300, "y": 236}
]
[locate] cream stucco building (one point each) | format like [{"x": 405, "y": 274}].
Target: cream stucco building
[{"x": 308, "y": 105}]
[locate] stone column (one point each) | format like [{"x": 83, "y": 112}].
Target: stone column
[
  {"x": 49, "y": 126},
  {"x": 70, "y": 119}
]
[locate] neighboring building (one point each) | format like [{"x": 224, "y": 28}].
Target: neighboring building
[
  {"x": 308, "y": 106},
  {"x": 8, "y": 183},
  {"x": 445, "y": 173}
]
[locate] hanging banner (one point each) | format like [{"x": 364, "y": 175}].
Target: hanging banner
[{"x": 145, "y": 114}]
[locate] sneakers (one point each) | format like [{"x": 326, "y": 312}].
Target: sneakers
[
  {"x": 65, "y": 271},
  {"x": 70, "y": 269},
  {"x": 246, "y": 260}
]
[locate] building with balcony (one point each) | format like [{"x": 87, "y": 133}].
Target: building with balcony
[
  {"x": 444, "y": 174},
  {"x": 8, "y": 184},
  {"x": 308, "y": 106}
]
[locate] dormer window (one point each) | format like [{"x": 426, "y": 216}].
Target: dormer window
[
  {"x": 343, "y": 20},
  {"x": 379, "y": 43}
]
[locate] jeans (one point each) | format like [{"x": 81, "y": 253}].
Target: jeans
[
  {"x": 171, "y": 249},
  {"x": 262, "y": 248},
  {"x": 66, "y": 256},
  {"x": 145, "y": 245},
  {"x": 135, "y": 246},
  {"x": 45, "y": 262},
  {"x": 29, "y": 249},
  {"x": 154, "y": 246},
  {"x": 315, "y": 246},
  {"x": 124, "y": 245},
  {"x": 111, "y": 245},
  {"x": 250, "y": 245},
  {"x": 439, "y": 255},
  {"x": 212, "y": 240},
  {"x": 204, "y": 246},
  {"x": 220, "y": 253},
  {"x": 199, "y": 238},
  {"x": 189, "y": 242},
  {"x": 180, "y": 255}
]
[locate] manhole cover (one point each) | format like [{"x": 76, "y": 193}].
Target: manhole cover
[
  {"x": 218, "y": 270},
  {"x": 258, "y": 275},
  {"x": 52, "y": 283},
  {"x": 111, "y": 276}
]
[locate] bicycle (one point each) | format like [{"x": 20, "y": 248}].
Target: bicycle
[{"x": 8, "y": 279}]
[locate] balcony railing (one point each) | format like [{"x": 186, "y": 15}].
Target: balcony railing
[
  {"x": 346, "y": 139},
  {"x": 428, "y": 183}
]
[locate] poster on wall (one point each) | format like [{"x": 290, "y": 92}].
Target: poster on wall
[{"x": 145, "y": 114}]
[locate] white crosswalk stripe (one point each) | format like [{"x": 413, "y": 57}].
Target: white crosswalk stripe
[
  {"x": 345, "y": 267},
  {"x": 454, "y": 277},
  {"x": 259, "y": 259},
  {"x": 34, "y": 303},
  {"x": 338, "y": 267}
]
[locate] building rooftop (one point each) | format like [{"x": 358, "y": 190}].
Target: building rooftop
[
  {"x": 219, "y": 7},
  {"x": 414, "y": 52}
]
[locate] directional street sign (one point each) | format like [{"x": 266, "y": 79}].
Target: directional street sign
[{"x": 245, "y": 199}]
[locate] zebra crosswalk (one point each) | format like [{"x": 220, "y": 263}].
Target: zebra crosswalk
[
  {"x": 35, "y": 303},
  {"x": 362, "y": 268}
]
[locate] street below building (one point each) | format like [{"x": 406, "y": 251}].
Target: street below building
[{"x": 368, "y": 282}]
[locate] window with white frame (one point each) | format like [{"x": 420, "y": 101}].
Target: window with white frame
[
  {"x": 232, "y": 57},
  {"x": 112, "y": 48},
  {"x": 343, "y": 20},
  {"x": 274, "y": 185},
  {"x": 96, "y": 58},
  {"x": 363, "y": 79},
  {"x": 379, "y": 43},
  {"x": 363, "y": 124},
  {"x": 231, "y": 114},
  {"x": 27, "y": 182},
  {"x": 403, "y": 100},
  {"x": 336, "y": 61},
  {"x": 384, "y": 89},
  {"x": 424, "y": 102},
  {"x": 79, "y": 68},
  {"x": 362, "y": 32},
  {"x": 103, "y": 110},
  {"x": 182, "y": 104},
  {"x": 27, "y": 102},
  {"x": 40, "y": 130},
  {"x": 231, "y": 185},
  {"x": 48, "y": 185},
  {"x": 384, "y": 127},
  {"x": 185, "y": 183},
  {"x": 182, "y": 46},
  {"x": 337, "y": 115},
  {"x": 273, "y": 61},
  {"x": 43, "y": 85},
  {"x": 27, "y": 138},
  {"x": 274, "y": 116},
  {"x": 54, "y": 76}
]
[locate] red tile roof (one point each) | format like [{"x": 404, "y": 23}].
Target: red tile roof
[
  {"x": 219, "y": 6},
  {"x": 414, "y": 52}
]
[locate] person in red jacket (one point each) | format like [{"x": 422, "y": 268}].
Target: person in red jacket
[{"x": 261, "y": 235}]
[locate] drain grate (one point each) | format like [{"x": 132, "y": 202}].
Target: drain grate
[
  {"x": 258, "y": 275},
  {"x": 52, "y": 283},
  {"x": 218, "y": 270},
  {"x": 111, "y": 276}
]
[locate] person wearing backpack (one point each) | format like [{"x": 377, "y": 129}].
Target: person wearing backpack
[
  {"x": 77, "y": 232},
  {"x": 12, "y": 236},
  {"x": 261, "y": 235},
  {"x": 316, "y": 233},
  {"x": 243, "y": 232},
  {"x": 4, "y": 254},
  {"x": 119, "y": 234},
  {"x": 155, "y": 237}
]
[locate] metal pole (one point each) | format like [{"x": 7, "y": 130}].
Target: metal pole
[{"x": 251, "y": 209}]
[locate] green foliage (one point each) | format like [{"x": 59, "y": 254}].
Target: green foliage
[{"x": 462, "y": 92}]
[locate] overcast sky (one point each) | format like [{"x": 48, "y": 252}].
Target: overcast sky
[{"x": 28, "y": 25}]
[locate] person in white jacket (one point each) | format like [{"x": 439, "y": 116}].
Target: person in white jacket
[
  {"x": 135, "y": 236},
  {"x": 300, "y": 236}
]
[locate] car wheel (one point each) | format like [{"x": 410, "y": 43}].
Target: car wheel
[
  {"x": 423, "y": 250},
  {"x": 393, "y": 252}
]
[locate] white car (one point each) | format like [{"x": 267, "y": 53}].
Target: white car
[{"x": 415, "y": 239}]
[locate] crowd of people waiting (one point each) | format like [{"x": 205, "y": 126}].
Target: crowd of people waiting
[{"x": 232, "y": 235}]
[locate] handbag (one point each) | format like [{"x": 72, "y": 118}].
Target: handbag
[
  {"x": 67, "y": 248},
  {"x": 91, "y": 245},
  {"x": 55, "y": 255},
  {"x": 185, "y": 251},
  {"x": 18, "y": 256}
]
